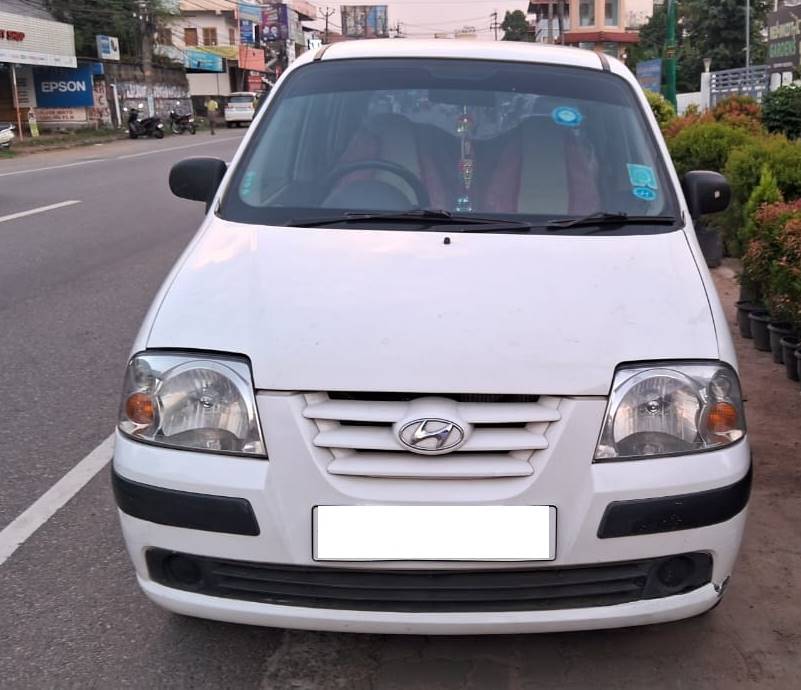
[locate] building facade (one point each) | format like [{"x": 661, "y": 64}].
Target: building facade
[{"x": 599, "y": 25}]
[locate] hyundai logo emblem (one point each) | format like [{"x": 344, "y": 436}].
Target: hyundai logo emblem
[{"x": 431, "y": 435}]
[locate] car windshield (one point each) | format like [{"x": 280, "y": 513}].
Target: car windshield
[
  {"x": 515, "y": 141},
  {"x": 241, "y": 99}
]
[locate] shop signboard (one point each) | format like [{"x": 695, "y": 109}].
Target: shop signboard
[
  {"x": 275, "y": 22},
  {"x": 202, "y": 60},
  {"x": 246, "y": 32},
  {"x": 108, "y": 48},
  {"x": 649, "y": 74},
  {"x": 62, "y": 87},
  {"x": 26, "y": 91},
  {"x": 784, "y": 36},
  {"x": 32, "y": 41},
  {"x": 365, "y": 21},
  {"x": 250, "y": 12}
]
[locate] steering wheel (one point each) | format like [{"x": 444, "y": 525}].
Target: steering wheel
[{"x": 343, "y": 169}]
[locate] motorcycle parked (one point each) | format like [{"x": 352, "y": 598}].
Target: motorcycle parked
[
  {"x": 182, "y": 122},
  {"x": 146, "y": 127},
  {"x": 6, "y": 135}
]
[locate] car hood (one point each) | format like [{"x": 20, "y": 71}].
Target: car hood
[{"x": 395, "y": 311}]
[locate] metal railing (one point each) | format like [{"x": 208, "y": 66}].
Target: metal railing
[{"x": 751, "y": 81}]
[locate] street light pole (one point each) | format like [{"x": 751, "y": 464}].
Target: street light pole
[
  {"x": 670, "y": 52},
  {"x": 747, "y": 38}
]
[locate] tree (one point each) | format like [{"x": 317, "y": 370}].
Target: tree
[
  {"x": 707, "y": 29},
  {"x": 515, "y": 27},
  {"x": 120, "y": 18}
]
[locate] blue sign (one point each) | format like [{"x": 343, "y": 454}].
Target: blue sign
[
  {"x": 246, "y": 31},
  {"x": 249, "y": 12},
  {"x": 63, "y": 87},
  {"x": 649, "y": 74},
  {"x": 201, "y": 60}
]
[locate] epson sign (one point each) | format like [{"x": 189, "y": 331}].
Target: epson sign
[{"x": 61, "y": 87}]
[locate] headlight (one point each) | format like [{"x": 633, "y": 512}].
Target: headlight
[
  {"x": 670, "y": 410},
  {"x": 193, "y": 402}
]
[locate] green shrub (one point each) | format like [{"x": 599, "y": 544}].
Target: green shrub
[
  {"x": 781, "y": 111},
  {"x": 740, "y": 112},
  {"x": 784, "y": 283},
  {"x": 765, "y": 249},
  {"x": 661, "y": 106},
  {"x": 743, "y": 229},
  {"x": 705, "y": 146}
]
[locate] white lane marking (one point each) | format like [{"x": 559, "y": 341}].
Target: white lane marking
[
  {"x": 24, "y": 526},
  {"x": 120, "y": 158},
  {"x": 40, "y": 209}
]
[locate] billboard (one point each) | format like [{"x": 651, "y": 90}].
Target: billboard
[
  {"x": 649, "y": 74},
  {"x": 108, "y": 48},
  {"x": 202, "y": 60},
  {"x": 274, "y": 22},
  {"x": 784, "y": 35},
  {"x": 365, "y": 21},
  {"x": 62, "y": 87},
  {"x": 32, "y": 41}
]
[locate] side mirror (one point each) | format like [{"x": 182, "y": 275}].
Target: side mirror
[
  {"x": 706, "y": 192},
  {"x": 197, "y": 179}
]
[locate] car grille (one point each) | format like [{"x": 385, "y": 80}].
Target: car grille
[
  {"x": 359, "y": 430},
  {"x": 432, "y": 590}
]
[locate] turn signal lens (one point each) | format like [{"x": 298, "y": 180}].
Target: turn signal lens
[
  {"x": 722, "y": 418},
  {"x": 139, "y": 409}
]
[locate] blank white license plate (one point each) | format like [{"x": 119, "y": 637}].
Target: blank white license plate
[{"x": 434, "y": 533}]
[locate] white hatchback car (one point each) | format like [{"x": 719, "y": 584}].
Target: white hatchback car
[{"x": 444, "y": 357}]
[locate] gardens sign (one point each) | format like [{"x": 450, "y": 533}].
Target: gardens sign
[{"x": 784, "y": 36}]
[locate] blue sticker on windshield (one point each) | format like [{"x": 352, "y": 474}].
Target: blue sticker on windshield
[
  {"x": 642, "y": 176},
  {"x": 567, "y": 117},
  {"x": 644, "y": 193},
  {"x": 247, "y": 183}
]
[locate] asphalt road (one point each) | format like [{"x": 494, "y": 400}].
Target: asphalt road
[{"x": 75, "y": 282}]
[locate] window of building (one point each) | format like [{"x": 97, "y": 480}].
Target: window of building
[
  {"x": 586, "y": 45},
  {"x": 612, "y": 12},
  {"x": 209, "y": 36},
  {"x": 164, "y": 36},
  {"x": 586, "y": 12},
  {"x": 231, "y": 37},
  {"x": 190, "y": 37},
  {"x": 611, "y": 48}
]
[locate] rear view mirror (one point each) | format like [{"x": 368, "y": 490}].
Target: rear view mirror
[
  {"x": 706, "y": 192},
  {"x": 197, "y": 179}
]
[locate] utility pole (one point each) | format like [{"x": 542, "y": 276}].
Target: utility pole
[
  {"x": 398, "y": 31},
  {"x": 147, "y": 26},
  {"x": 748, "y": 41},
  {"x": 670, "y": 52},
  {"x": 560, "y": 14},
  {"x": 494, "y": 25},
  {"x": 328, "y": 13}
]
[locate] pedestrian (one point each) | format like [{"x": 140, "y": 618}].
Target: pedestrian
[{"x": 211, "y": 111}]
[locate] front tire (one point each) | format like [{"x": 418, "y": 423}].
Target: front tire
[
  {"x": 192, "y": 129},
  {"x": 229, "y": 124},
  {"x": 133, "y": 135},
  {"x": 158, "y": 134}
]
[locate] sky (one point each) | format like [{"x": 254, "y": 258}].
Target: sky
[{"x": 424, "y": 18}]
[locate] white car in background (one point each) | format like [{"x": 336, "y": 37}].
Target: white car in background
[
  {"x": 240, "y": 108},
  {"x": 454, "y": 367}
]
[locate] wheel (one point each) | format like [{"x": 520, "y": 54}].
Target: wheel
[
  {"x": 159, "y": 134},
  {"x": 229, "y": 124},
  {"x": 238, "y": 125},
  {"x": 133, "y": 135},
  {"x": 419, "y": 189},
  {"x": 192, "y": 129}
]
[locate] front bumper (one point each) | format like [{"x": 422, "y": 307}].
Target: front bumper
[
  {"x": 283, "y": 491},
  {"x": 251, "y": 613}
]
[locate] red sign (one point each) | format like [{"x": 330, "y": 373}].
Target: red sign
[{"x": 12, "y": 35}]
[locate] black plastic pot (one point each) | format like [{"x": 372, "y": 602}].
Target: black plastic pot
[
  {"x": 798, "y": 364},
  {"x": 759, "y": 329},
  {"x": 711, "y": 244},
  {"x": 776, "y": 331},
  {"x": 744, "y": 308},
  {"x": 789, "y": 347}
]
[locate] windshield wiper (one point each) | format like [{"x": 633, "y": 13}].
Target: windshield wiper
[
  {"x": 604, "y": 219},
  {"x": 425, "y": 217}
]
